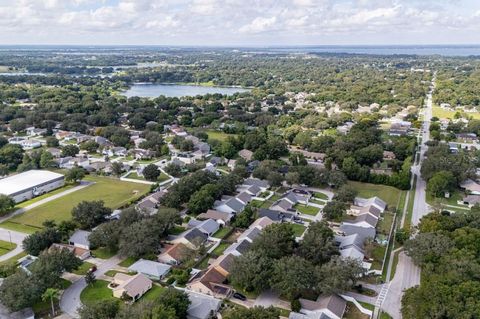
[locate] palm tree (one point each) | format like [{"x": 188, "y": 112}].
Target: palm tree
[{"x": 51, "y": 293}]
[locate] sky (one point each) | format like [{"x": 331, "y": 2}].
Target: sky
[{"x": 239, "y": 22}]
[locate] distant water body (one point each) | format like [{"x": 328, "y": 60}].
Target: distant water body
[
  {"x": 177, "y": 90},
  {"x": 443, "y": 50}
]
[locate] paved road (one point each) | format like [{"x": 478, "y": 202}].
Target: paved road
[
  {"x": 14, "y": 237},
  {"x": 407, "y": 274},
  {"x": 70, "y": 301},
  {"x": 83, "y": 184}
]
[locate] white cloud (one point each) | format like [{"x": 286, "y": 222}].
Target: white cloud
[
  {"x": 258, "y": 24},
  {"x": 232, "y": 21}
]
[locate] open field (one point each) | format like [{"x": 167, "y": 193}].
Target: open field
[
  {"x": 113, "y": 192},
  {"x": 446, "y": 114},
  {"x": 387, "y": 193},
  {"x": 47, "y": 195},
  {"x": 218, "y": 135}
]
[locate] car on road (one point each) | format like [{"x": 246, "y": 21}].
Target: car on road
[{"x": 239, "y": 296}]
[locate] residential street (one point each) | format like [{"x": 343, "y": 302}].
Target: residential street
[
  {"x": 15, "y": 237},
  {"x": 407, "y": 274},
  {"x": 70, "y": 300}
]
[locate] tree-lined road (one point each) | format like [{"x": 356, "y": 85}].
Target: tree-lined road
[{"x": 407, "y": 274}]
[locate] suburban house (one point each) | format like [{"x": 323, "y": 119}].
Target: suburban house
[
  {"x": 231, "y": 164},
  {"x": 250, "y": 234},
  {"x": 325, "y": 307},
  {"x": 262, "y": 184},
  {"x": 221, "y": 218},
  {"x": 275, "y": 215},
  {"x": 223, "y": 264},
  {"x": 372, "y": 201},
  {"x": 202, "y": 306},
  {"x": 56, "y": 152},
  {"x": 211, "y": 282},
  {"x": 239, "y": 248},
  {"x": 245, "y": 154},
  {"x": 81, "y": 253},
  {"x": 115, "y": 151},
  {"x": 152, "y": 269},
  {"x": 231, "y": 206},
  {"x": 133, "y": 286},
  {"x": 80, "y": 239},
  {"x": 208, "y": 227},
  {"x": 141, "y": 154},
  {"x": 364, "y": 220},
  {"x": 471, "y": 186},
  {"x": 283, "y": 205},
  {"x": 174, "y": 254},
  {"x": 359, "y": 210},
  {"x": 150, "y": 204},
  {"x": 470, "y": 200},
  {"x": 193, "y": 238},
  {"x": 351, "y": 229},
  {"x": 262, "y": 222}
]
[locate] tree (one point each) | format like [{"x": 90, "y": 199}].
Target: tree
[
  {"x": 276, "y": 241},
  {"x": 292, "y": 178},
  {"x": 117, "y": 168},
  {"x": 318, "y": 244},
  {"x": 334, "y": 210},
  {"x": 251, "y": 271},
  {"x": 46, "y": 160},
  {"x": 200, "y": 201},
  {"x": 90, "y": 146},
  {"x": 37, "y": 242},
  {"x": 106, "y": 309},
  {"x": 75, "y": 174},
  {"x": 70, "y": 150},
  {"x": 52, "y": 141},
  {"x": 176, "y": 300},
  {"x": 18, "y": 291},
  {"x": 106, "y": 235},
  {"x": 275, "y": 179},
  {"x": 11, "y": 155},
  {"x": 346, "y": 194},
  {"x": 90, "y": 278},
  {"x": 90, "y": 214},
  {"x": 50, "y": 294},
  {"x": 291, "y": 275},
  {"x": 441, "y": 183},
  {"x": 151, "y": 172},
  {"x": 6, "y": 204},
  {"x": 256, "y": 312},
  {"x": 427, "y": 247},
  {"x": 338, "y": 275}
]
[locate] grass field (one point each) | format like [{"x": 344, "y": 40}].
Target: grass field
[
  {"x": 387, "y": 193},
  {"x": 128, "y": 262},
  {"x": 218, "y": 135},
  {"x": 385, "y": 223},
  {"x": 98, "y": 291},
  {"x": 320, "y": 195},
  {"x": 133, "y": 175},
  {"x": 113, "y": 192},
  {"x": 446, "y": 114},
  {"x": 13, "y": 260},
  {"x": 103, "y": 253},
  {"x": 307, "y": 210},
  {"x": 6, "y": 247}
]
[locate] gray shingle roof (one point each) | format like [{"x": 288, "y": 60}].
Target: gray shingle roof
[
  {"x": 235, "y": 204},
  {"x": 201, "y": 306},
  {"x": 193, "y": 234},
  {"x": 150, "y": 268},
  {"x": 80, "y": 237},
  {"x": 274, "y": 215},
  {"x": 363, "y": 232}
]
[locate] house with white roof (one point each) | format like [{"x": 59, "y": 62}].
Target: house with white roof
[{"x": 152, "y": 269}]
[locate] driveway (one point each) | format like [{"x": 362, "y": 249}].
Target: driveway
[
  {"x": 15, "y": 237},
  {"x": 70, "y": 301},
  {"x": 270, "y": 298}
]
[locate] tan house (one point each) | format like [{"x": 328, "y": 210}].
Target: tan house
[
  {"x": 132, "y": 286},
  {"x": 175, "y": 254},
  {"x": 211, "y": 283}
]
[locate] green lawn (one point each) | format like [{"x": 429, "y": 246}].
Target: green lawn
[
  {"x": 83, "y": 269},
  {"x": 103, "y": 253},
  {"x": 394, "y": 265},
  {"x": 220, "y": 249},
  {"x": 298, "y": 229},
  {"x": 308, "y": 210},
  {"x": 352, "y": 312},
  {"x": 218, "y": 135},
  {"x": 378, "y": 254},
  {"x": 38, "y": 198},
  {"x": 113, "y": 192},
  {"x": 27, "y": 229},
  {"x": 6, "y": 247},
  {"x": 387, "y": 193},
  {"x": 98, "y": 291},
  {"x": 162, "y": 178},
  {"x": 385, "y": 223},
  {"x": 222, "y": 232},
  {"x": 128, "y": 262},
  {"x": 154, "y": 293},
  {"x": 446, "y": 114},
  {"x": 112, "y": 273},
  {"x": 320, "y": 195},
  {"x": 177, "y": 230}
]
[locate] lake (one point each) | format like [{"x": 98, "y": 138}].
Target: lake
[{"x": 177, "y": 90}]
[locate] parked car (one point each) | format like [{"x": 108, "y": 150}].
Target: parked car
[
  {"x": 93, "y": 269},
  {"x": 239, "y": 296}
]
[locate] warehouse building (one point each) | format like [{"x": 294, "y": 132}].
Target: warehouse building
[{"x": 29, "y": 184}]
